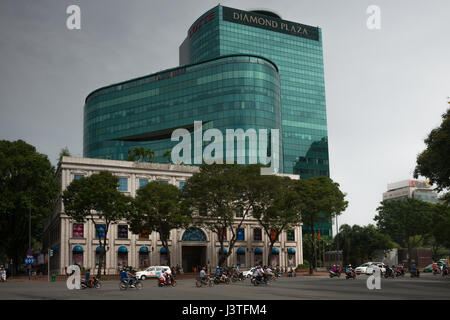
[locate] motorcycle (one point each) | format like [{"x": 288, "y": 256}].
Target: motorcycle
[
  {"x": 258, "y": 280},
  {"x": 389, "y": 274},
  {"x": 399, "y": 273},
  {"x": 335, "y": 274},
  {"x": 166, "y": 283},
  {"x": 415, "y": 274},
  {"x": 436, "y": 271},
  {"x": 237, "y": 277},
  {"x": 222, "y": 279},
  {"x": 207, "y": 281},
  {"x": 350, "y": 274},
  {"x": 445, "y": 273},
  {"x": 94, "y": 283},
  {"x": 125, "y": 284}
]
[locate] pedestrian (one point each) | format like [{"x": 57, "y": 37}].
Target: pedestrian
[{"x": 174, "y": 272}]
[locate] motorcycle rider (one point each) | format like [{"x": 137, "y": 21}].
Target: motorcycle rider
[
  {"x": 131, "y": 277},
  {"x": 267, "y": 273},
  {"x": 87, "y": 278},
  {"x": 388, "y": 270},
  {"x": 435, "y": 268},
  {"x": 400, "y": 269},
  {"x": 413, "y": 270},
  {"x": 444, "y": 270},
  {"x": 203, "y": 274},
  {"x": 3, "y": 274}
]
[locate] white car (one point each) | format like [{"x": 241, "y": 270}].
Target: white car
[
  {"x": 248, "y": 273},
  {"x": 368, "y": 267},
  {"x": 152, "y": 272}
]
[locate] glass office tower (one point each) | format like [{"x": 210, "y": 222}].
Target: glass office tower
[{"x": 296, "y": 49}]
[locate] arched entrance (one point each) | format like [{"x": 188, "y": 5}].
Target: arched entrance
[{"x": 193, "y": 252}]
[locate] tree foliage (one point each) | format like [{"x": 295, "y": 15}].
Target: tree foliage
[
  {"x": 27, "y": 181},
  {"x": 274, "y": 206},
  {"x": 96, "y": 199},
  {"x": 406, "y": 221},
  {"x": 159, "y": 207},
  {"x": 434, "y": 161},
  {"x": 318, "y": 198},
  {"x": 360, "y": 243},
  {"x": 222, "y": 197}
]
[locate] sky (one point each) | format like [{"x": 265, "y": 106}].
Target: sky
[{"x": 386, "y": 88}]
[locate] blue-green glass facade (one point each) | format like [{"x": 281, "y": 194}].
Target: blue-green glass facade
[
  {"x": 296, "y": 49},
  {"x": 299, "y": 59},
  {"x": 230, "y": 92}
]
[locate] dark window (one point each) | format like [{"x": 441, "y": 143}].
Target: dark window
[
  {"x": 122, "y": 231},
  {"x": 240, "y": 234},
  {"x": 257, "y": 234},
  {"x": 77, "y": 230},
  {"x": 290, "y": 235},
  {"x": 100, "y": 231}
]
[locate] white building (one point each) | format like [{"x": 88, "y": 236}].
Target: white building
[
  {"x": 76, "y": 243},
  {"x": 405, "y": 189}
]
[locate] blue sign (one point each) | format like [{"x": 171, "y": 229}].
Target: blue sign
[{"x": 29, "y": 260}]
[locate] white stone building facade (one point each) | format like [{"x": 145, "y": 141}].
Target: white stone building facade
[{"x": 76, "y": 243}]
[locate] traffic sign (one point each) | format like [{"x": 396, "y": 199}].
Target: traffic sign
[
  {"x": 29, "y": 252},
  {"x": 29, "y": 260}
]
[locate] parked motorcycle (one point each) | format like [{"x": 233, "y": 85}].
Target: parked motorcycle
[
  {"x": 207, "y": 281},
  {"x": 94, "y": 283},
  {"x": 125, "y": 284}
]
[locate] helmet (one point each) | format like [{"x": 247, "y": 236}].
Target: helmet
[{"x": 204, "y": 268}]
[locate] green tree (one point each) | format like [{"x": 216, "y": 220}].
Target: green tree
[
  {"x": 222, "y": 198},
  {"x": 274, "y": 206},
  {"x": 27, "y": 186},
  {"x": 434, "y": 161},
  {"x": 318, "y": 198},
  {"x": 64, "y": 153},
  {"x": 140, "y": 155},
  {"x": 440, "y": 229},
  {"x": 96, "y": 199},
  {"x": 360, "y": 243},
  {"x": 407, "y": 221},
  {"x": 159, "y": 207}
]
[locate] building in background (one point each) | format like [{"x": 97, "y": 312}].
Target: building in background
[
  {"x": 77, "y": 243},
  {"x": 416, "y": 189},
  {"x": 238, "y": 70}
]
